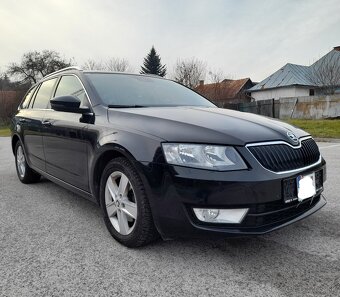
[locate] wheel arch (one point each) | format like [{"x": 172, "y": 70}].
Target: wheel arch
[
  {"x": 107, "y": 153},
  {"x": 15, "y": 139}
]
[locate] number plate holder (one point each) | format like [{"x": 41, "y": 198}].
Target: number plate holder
[{"x": 305, "y": 186}]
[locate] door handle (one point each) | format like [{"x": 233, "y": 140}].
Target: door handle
[
  {"x": 47, "y": 123},
  {"x": 22, "y": 121}
]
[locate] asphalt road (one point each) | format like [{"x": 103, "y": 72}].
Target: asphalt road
[{"x": 54, "y": 243}]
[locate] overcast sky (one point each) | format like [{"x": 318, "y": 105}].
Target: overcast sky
[{"x": 242, "y": 38}]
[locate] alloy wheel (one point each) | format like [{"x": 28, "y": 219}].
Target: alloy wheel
[
  {"x": 21, "y": 162},
  {"x": 121, "y": 203}
]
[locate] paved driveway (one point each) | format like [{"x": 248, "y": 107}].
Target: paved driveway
[{"x": 54, "y": 243}]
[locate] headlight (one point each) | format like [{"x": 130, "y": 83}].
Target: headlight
[{"x": 213, "y": 157}]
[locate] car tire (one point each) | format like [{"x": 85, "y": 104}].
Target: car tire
[
  {"x": 125, "y": 206},
  {"x": 25, "y": 173}
]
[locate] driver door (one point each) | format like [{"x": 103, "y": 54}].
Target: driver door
[{"x": 64, "y": 138}]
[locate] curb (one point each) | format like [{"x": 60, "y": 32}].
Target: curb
[{"x": 317, "y": 139}]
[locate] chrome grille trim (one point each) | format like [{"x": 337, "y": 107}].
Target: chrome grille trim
[{"x": 270, "y": 159}]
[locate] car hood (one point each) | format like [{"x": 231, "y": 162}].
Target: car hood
[{"x": 202, "y": 125}]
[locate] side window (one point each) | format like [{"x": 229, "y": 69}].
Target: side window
[
  {"x": 44, "y": 94},
  {"x": 33, "y": 96},
  {"x": 70, "y": 85},
  {"x": 25, "y": 102}
]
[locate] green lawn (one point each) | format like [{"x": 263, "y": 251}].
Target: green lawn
[
  {"x": 319, "y": 128},
  {"x": 4, "y": 131}
]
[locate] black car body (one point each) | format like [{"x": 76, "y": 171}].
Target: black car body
[{"x": 72, "y": 149}]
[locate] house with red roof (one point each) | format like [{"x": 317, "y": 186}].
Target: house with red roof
[{"x": 226, "y": 91}]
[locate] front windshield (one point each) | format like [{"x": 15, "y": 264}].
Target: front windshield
[{"x": 136, "y": 90}]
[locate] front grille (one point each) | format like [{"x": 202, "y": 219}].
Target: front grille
[{"x": 282, "y": 157}]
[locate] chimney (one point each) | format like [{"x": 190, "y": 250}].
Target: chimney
[
  {"x": 201, "y": 82},
  {"x": 337, "y": 48}
]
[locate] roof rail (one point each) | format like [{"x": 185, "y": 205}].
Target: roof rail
[{"x": 67, "y": 68}]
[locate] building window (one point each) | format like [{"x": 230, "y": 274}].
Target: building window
[{"x": 311, "y": 92}]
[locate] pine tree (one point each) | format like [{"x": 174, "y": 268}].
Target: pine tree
[{"x": 152, "y": 64}]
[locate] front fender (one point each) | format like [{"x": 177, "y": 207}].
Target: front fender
[{"x": 110, "y": 143}]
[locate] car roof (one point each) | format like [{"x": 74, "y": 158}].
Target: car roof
[{"x": 76, "y": 69}]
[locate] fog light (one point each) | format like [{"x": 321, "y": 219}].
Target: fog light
[
  {"x": 210, "y": 214},
  {"x": 226, "y": 216}
]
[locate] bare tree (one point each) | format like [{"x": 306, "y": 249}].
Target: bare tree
[
  {"x": 189, "y": 72},
  {"x": 325, "y": 73},
  {"x": 35, "y": 65},
  {"x": 91, "y": 64},
  {"x": 217, "y": 85},
  {"x": 216, "y": 76},
  {"x": 111, "y": 64},
  {"x": 5, "y": 83},
  {"x": 118, "y": 64}
]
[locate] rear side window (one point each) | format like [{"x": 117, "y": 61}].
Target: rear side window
[
  {"x": 26, "y": 100},
  {"x": 44, "y": 94},
  {"x": 70, "y": 85}
]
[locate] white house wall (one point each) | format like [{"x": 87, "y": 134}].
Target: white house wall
[{"x": 280, "y": 93}]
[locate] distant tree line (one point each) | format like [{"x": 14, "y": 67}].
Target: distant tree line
[
  {"x": 34, "y": 65},
  {"x": 111, "y": 64},
  {"x": 188, "y": 71}
]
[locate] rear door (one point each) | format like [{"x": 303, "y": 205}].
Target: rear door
[
  {"x": 30, "y": 121},
  {"x": 64, "y": 140}
]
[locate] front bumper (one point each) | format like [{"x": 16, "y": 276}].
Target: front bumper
[{"x": 174, "y": 191}]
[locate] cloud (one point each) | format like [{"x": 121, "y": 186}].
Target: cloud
[{"x": 242, "y": 38}]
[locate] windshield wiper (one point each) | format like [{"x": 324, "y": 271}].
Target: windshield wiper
[{"x": 124, "y": 106}]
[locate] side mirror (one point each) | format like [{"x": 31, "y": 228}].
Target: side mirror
[{"x": 68, "y": 104}]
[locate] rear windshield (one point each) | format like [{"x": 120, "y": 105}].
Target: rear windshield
[{"x": 136, "y": 90}]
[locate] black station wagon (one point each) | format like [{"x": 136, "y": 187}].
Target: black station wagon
[{"x": 161, "y": 160}]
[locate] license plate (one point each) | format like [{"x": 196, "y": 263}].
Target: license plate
[{"x": 305, "y": 186}]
